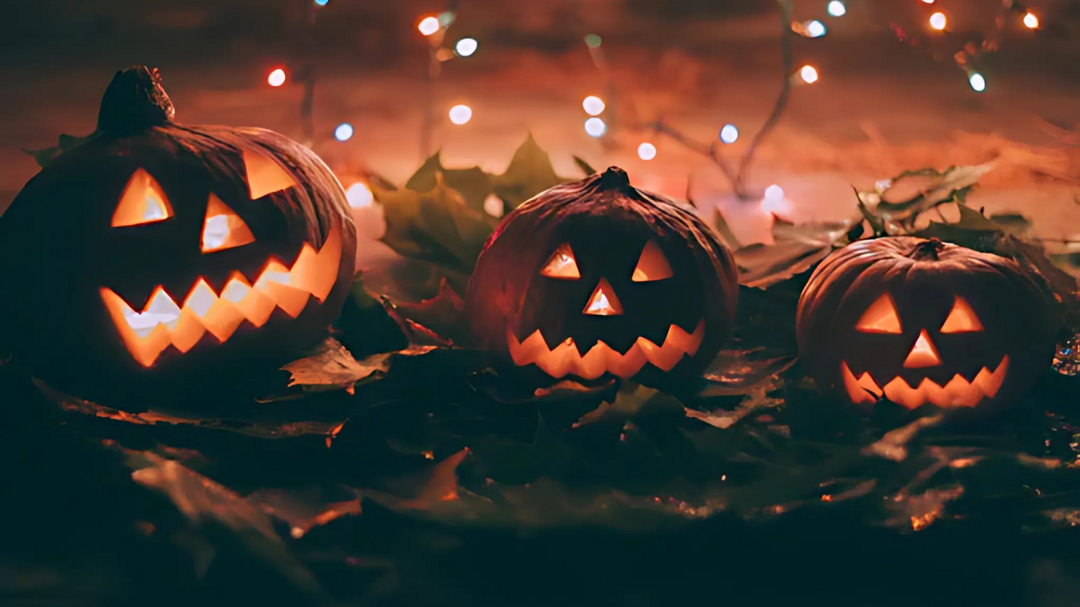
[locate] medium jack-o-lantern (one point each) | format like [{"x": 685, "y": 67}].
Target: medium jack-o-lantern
[
  {"x": 596, "y": 278},
  {"x": 159, "y": 248},
  {"x": 923, "y": 322}
]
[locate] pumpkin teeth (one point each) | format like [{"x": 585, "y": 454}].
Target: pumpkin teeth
[
  {"x": 162, "y": 322},
  {"x": 958, "y": 392},
  {"x": 565, "y": 359}
]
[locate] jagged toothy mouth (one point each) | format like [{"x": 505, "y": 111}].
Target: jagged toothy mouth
[{"x": 958, "y": 392}]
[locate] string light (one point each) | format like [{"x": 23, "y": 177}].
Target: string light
[
  {"x": 466, "y": 47},
  {"x": 808, "y": 74},
  {"x": 359, "y": 195},
  {"x": 595, "y": 127},
  {"x": 729, "y": 134},
  {"x": 428, "y": 26},
  {"x": 836, "y": 8},
  {"x": 815, "y": 28},
  {"x": 774, "y": 201},
  {"x": 343, "y": 132},
  {"x": 978, "y": 83},
  {"x": 276, "y": 77},
  {"x": 646, "y": 151},
  {"x": 938, "y": 21},
  {"x": 460, "y": 114},
  {"x": 1031, "y": 21},
  {"x": 594, "y": 106}
]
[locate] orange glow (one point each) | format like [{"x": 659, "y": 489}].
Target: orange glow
[
  {"x": 143, "y": 201},
  {"x": 1031, "y": 21},
  {"x": 265, "y": 175},
  {"x": 565, "y": 359},
  {"x": 958, "y": 392},
  {"x": 652, "y": 265},
  {"x": 603, "y": 301},
  {"x": 223, "y": 228},
  {"x": 561, "y": 265},
  {"x": 923, "y": 353},
  {"x": 880, "y": 317},
  {"x": 162, "y": 322},
  {"x": 962, "y": 319}
]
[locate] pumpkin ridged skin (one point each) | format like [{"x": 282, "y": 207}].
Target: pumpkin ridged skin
[
  {"x": 924, "y": 277},
  {"x": 59, "y": 248},
  {"x": 607, "y": 222}
]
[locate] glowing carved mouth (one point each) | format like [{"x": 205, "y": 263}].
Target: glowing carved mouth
[
  {"x": 163, "y": 323},
  {"x": 565, "y": 359},
  {"x": 959, "y": 392}
]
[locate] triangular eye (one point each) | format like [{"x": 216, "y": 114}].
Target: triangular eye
[
  {"x": 143, "y": 201},
  {"x": 962, "y": 319},
  {"x": 223, "y": 228},
  {"x": 880, "y": 317},
  {"x": 561, "y": 265},
  {"x": 264, "y": 175},
  {"x": 652, "y": 265}
]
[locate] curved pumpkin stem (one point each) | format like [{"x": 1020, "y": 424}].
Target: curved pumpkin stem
[
  {"x": 135, "y": 101},
  {"x": 927, "y": 249}
]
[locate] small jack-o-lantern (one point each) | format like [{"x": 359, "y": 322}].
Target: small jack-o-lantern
[
  {"x": 158, "y": 248},
  {"x": 923, "y": 322},
  {"x": 597, "y": 278}
]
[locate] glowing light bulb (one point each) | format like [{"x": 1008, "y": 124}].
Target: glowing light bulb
[
  {"x": 938, "y": 21},
  {"x": 595, "y": 127},
  {"x": 815, "y": 29},
  {"x": 276, "y": 77},
  {"x": 978, "y": 83},
  {"x": 594, "y": 106},
  {"x": 836, "y": 8},
  {"x": 646, "y": 151},
  {"x": 466, "y": 47},
  {"x": 343, "y": 132},
  {"x": 359, "y": 195},
  {"x": 1031, "y": 21},
  {"x": 729, "y": 134},
  {"x": 428, "y": 26},
  {"x": 808, "y": 74},
  {"x": 460, "y": 114}
]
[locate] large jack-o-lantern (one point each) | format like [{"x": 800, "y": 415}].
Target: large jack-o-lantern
[
  {"x": 158, "y": 248},
  {"x": 597, "y": 278},
  {"x": 923, "y": 322}
]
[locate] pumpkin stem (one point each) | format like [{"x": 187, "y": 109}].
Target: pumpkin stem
[
  {"x": 927, "y": 249},
  {"x": 134, "y": 101},
  {"x": 615, "y": 178}
]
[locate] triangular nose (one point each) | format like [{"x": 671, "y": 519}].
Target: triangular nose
[
  {"x": 923, "y": 354},
  {"x": 603, "y": 301}
]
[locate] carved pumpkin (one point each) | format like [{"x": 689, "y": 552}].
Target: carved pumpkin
[
  {"x": 923, "y": 322},
  {"x": 597, "y": 278},
  {"x": 158, "y": 248}
]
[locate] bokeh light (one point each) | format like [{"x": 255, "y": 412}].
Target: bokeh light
[
  {"x": 978, "y": 83},
  {"x": 359, "y": 195},
  {"x": 493, "y": 205},
  {"x": 595, "y": 127},
  {"x": 343, "y": 132},
  {"x": 276, "y": 77},
  {"x": 322, "y": 2},
  {"x": 815, "y": 29},
  {"x": 774, "y": 201},
  {"x": 428, "y": 26},
  {"x": 836, "y": 8},
  {"x": 729, "y": 134},
  {"x": 460, "y": 114},
  {"x": 1031, "y": 21},
  {"x": 646, "y": 151},
  {"x": 594, "y": 106},
  {"x": 938, "y": 21},
  {"x": 808, "y": 74},
  {"x": 466, "y": 47},
  {"x": 593, "y": 40}
]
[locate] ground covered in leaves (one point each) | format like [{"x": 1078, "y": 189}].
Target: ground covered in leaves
[{"x": 394, "y": 466}]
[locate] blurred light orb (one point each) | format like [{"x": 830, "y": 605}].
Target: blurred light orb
[
  {"x": 595, "y": 127},
  {"x": 493, "y": 205},
  {"x": 460, "y": 114},
  {"x": 428, "y": 26},
  {"x": 928, "y": 1},
  {"x": 836, "y": 8},
  {"x": 466, "y": 47},
  {"x": 774, "y": 201},
  {"x": 276, "y": 77},
  {"x": 1031, "y": 21},
  {"x": 815, "y": 28},
  {"x": 359, "y": 195},
  {"x": 978, "y": 83},
  {"x": 593, "y": 40},
  {"x": 322, "y": 2},
  {"x": 938, "y": 21},
  {"x": 729, "y": 134},
  {"x": 343, "y": 132},
  {"x": 646, "y": 151},
  {"x": 808, "y": 74},
  {"x": 594, "y": 106}
]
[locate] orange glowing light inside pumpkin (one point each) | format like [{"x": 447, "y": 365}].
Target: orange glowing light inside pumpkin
[
  {"x": 264, "y": 175},
  {"x": 923, "y": 353},
  {"x": 223, "y": 228},
  {"x": 958, "y": 392},
  {"x": 961, "y": 319},
  {"x": 564, "y": 359},
  {"x": 603, "y": 301},
  {"x": 880, "y": 317},
  {"x": 561, "y": 265},
  {"x": 162, "y": 322},
  {"x": 652, "y": 265},
  {"x": 143, "y": 201}
]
